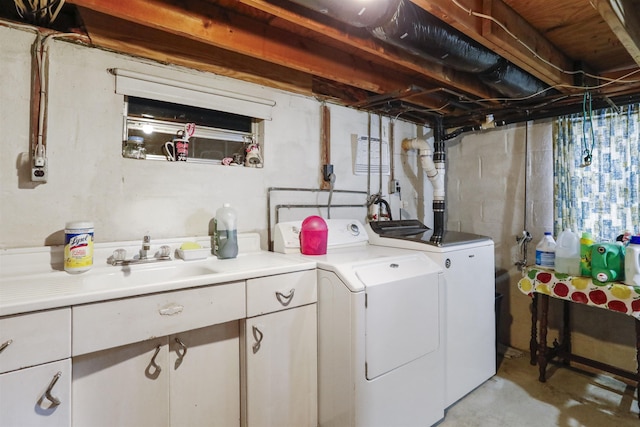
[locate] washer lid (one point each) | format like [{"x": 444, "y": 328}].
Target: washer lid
[{"x": 402, "y": 315}]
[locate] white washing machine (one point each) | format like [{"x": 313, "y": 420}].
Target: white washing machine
[
  {"x": 380, "y": 336},
  {"x": 468, "y": 263}
]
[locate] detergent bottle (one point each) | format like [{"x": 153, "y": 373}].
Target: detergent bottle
[
  {"x": 607, "y": 262},
  {"x": 632, "y": 262},
  {"x": 226, "y": 233},
  {"x": 585, "y": 254}
]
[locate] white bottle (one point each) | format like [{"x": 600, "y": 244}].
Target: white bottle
[
  {"x": 226, "y": 233},
  {"x": 546, "y": 251},
  {"x": 632, "y": 262},
  {"x": 567, "y": 258}
]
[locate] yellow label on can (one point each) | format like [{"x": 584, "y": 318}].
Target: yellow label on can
[{"x": 78, "y": 250}]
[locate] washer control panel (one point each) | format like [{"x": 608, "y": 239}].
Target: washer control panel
[{"x": 342, "y": 233}]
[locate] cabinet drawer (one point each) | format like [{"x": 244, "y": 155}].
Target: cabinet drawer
[
  {"x": 35, "y": 338},
  {"x": 273, "y": 293},
  {"x": 113, "y": 323},
  {"x": 24, "y": 396}
]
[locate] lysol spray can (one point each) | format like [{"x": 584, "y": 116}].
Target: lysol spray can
[{"x": 78, "y": 246}]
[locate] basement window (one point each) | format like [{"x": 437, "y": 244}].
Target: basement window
[
  {"x": 228, "y": 118},
  {"x": 219, "y": 137}
]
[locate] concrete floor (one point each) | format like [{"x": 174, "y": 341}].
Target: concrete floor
[{"x": 570, "y": 398}]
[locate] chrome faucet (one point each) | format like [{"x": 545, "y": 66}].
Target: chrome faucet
[
  {"x": 146, "y": 246},
  {"x": 119, "y": 255}
]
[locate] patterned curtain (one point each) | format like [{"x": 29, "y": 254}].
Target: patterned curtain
[{"x": 601, "y": 197}]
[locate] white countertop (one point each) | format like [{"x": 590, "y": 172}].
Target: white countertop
[{"x": 33, "y": 279}]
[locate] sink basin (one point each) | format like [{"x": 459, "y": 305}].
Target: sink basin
[{"x": 139, "y": 275}]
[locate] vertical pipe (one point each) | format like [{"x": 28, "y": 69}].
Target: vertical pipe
[
  {"x": 438, "y": 205},
  {"x": 380, "y": 155},
  {"x": 369, "y": 157}
]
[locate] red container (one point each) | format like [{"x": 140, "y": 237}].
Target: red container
[{"x": 313, "y": 236}]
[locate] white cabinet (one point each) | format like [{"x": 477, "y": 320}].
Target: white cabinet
[
  {"x": 188, "y": 375},
  {"x": 124, "y": 386},
  {"x": 185, "y": 379},
  {"x": 37, "y": 396},
  {"x": 280, "y": 351},
  {"x": 35, "y": 384},
  {"x": 205, "y": 376}
]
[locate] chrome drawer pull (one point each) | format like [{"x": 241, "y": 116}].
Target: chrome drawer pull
[
  {"x": 54, "y": 400},
  {"x": 181, "y": 352},
  {"x": 154, "y": 365},
  {"x": 285, "y": 299},
  {"x": 5, "y": 345},
  {"x": 257, "y": 335}
]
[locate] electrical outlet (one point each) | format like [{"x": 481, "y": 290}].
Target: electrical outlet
[
  {"x": 39, "y": 172},
  {"x": 327, "y": 171},
  {"x": 394, "y": 186}
]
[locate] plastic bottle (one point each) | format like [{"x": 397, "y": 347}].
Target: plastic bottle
[
  {"x": 568, "y": 253},
  {"x": 546, "y": 251},
  {"x": 632, "y": 262},
  {"x": 585, "y": 254},
  {"x": 226, "y": 232},
  {"x": 313, "y": 236}
]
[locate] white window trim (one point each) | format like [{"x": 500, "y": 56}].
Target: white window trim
[{"x": 132, "y": 83}]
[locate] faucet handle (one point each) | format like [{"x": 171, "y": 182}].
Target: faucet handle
[
  {"x": 165, "y": 251},
  {"x": 146, "y": 242},
  {"x": 118, "y": 256}
]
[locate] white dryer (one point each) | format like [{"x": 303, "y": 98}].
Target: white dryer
[
  {"x": 380, "y": 336},
  {"x": 469, "y": 271}
]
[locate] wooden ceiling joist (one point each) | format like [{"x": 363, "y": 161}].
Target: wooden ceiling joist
[
  {"x": 623, "y": 17},
  {"x": 208, "y": 24},
  {"x": 384, "y": 52}
]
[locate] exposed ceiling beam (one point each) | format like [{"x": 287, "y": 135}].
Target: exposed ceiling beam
[
  {"x": 223, "y": 28},
  {"x": 490, "y": 35},
  {"x": 623, "y": 17},
  {"x": 446, "y": 77}
]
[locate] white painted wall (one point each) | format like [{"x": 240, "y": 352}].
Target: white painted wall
[
  {"x": 89, "y": 179},
  {"x": 487, "y": 175}
]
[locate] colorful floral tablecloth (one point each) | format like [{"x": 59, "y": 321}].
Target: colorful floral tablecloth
[{"x": 615, "y": 296}]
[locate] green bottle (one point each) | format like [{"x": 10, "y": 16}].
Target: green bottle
[{"x": 585, "y": 254}]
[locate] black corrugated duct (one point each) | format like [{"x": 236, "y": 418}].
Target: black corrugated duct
[{"x": 411, "y": 28}]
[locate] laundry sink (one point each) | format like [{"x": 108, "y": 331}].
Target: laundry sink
[{"x": 141, "y": 275}]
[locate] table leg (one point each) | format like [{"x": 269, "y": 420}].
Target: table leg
[
  {"x": 533, "y": 343},
  {"x": 566, "y": 331},
  {"x": 542, "y": 344},
  {"x": 638, "y": 362}
]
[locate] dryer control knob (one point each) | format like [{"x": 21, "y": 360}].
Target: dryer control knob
[{"x": 353, "y": 229}]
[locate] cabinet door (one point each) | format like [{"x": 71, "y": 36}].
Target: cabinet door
[
  {"x": 205, "y": 376},
  {"x": 281, "y": 368},
  {"x": 37, "y": 396},
  {"x": 122, "y": 386}
]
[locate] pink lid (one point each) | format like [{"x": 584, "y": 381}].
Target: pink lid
[{"x": 314, "y": 223}]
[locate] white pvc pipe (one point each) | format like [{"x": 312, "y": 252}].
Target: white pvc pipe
[{"x": 434, "y": 171}]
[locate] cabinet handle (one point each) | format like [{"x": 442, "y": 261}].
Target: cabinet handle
[
  {"x": 257, "y": 335},
  {"x": 171, "y": 310},
  {"x": 153, "y": 360},
  {"x": 182, "y": 351},
  {"x": 285, "y": 299},
  {"x": 54, "y": 400},
  {"x": 5, "y": 345}
]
